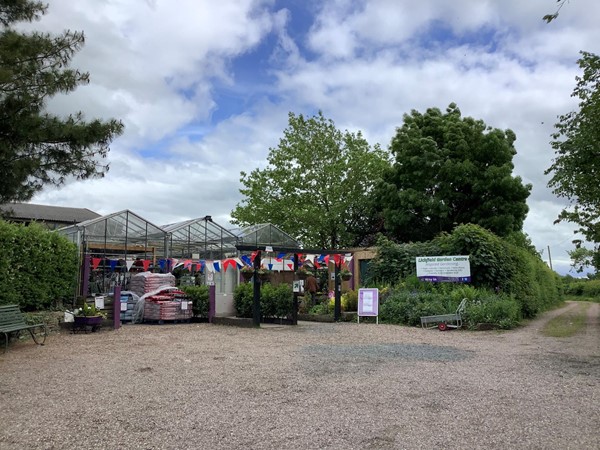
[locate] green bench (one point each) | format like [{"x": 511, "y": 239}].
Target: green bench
[{"x": 13, "y": 321}]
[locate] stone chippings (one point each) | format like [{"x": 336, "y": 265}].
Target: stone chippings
[{"x": 313, "y": 386}]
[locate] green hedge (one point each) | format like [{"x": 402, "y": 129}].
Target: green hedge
[
  {"x": 275, "y": 301},
  {"x": 38, "y": 268}
]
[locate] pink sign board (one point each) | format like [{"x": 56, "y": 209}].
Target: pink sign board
[{"x": 368, "y": 302}]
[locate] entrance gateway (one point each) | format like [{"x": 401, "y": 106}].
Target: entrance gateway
[{"x": 258, "y": 249}]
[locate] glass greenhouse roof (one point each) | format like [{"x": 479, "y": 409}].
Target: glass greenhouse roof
[
  {"x": 200, "y": 237},
  {"x": 117, "y": 227},
  {"x": 265, "y": 234}
]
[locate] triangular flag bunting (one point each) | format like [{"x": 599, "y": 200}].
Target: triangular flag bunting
[{"x": 95, "y": 262}]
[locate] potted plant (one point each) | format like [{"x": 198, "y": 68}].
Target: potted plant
[
  {"x": 247, "y": 272},
  {"x": 264, "y": 274},
  {"x": 345, "y": 274},
  {"x": 303, "y": 273},
  {"x": 88, "y": 315}
]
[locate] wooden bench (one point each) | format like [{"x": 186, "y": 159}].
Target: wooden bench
[
  {"x": 445, "y": 321},
  {"x": 13, "y": 321}
]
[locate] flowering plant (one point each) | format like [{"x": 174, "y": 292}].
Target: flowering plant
[
  {"x": 247, "y": 269},
  {"x": 90, "y": 310}
]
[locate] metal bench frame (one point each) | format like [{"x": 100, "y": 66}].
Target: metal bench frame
[
  {"x": 12, "y": 320},
  {"x": 445, "y": 321}
]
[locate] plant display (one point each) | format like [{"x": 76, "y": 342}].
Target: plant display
[{"x": 90, "y": 310}]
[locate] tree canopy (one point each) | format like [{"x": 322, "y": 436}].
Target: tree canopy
[
  {"x": 38, "y": 148},
  {"x": 448, "y": 171},
  {"x": 316, "y": 184},
  {"x": 576, "y": 168}
]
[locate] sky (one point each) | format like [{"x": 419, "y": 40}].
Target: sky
[{"x": 204, "y": 88}]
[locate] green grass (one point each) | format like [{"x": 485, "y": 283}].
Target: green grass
[{"x": 568, "y": 323}]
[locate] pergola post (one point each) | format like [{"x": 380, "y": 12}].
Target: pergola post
[
  {"x": 256, "y": 278},
  {"x": 295, "y": 298},
  {"x": 337, "y": 312}
]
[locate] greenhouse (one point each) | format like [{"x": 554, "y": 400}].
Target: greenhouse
[
  {"x": 200, "y": 239},
  {"x": 265, "y": 234},
  {"x": 114, "y": 245}
]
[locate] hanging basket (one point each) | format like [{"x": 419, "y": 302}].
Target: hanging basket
[
  {"x": 264, "y": 276},
  {"x": 345, "y": 276},
  {"x": 247, "y": 275}
]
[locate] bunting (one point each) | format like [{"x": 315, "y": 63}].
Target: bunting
[{"x": 282, "y": 261}]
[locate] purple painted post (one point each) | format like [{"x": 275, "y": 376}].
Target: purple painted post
[
  {"x": 117, "y": 308},
  {"x": 85, "y": 273},
  {"x": 212, "y": 303}
]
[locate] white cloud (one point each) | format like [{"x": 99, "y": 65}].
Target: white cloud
[{"x": 158, "y": 67}]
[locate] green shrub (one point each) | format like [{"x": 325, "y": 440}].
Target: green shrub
[
  {"x": 199, "y": 296},
  {"x": 500, "y": 310},
  {"x": 275, "y": 301},
  {"x": 320, "y": 309},
  {"x": 243, "y": 299}
]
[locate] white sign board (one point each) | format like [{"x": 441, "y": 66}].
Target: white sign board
[
  {"x": 368, "y": 303},
  {"x": 210, "y": 278},
  {"x": 437, "y": 269},
  {"x": 99, "y": 302}
]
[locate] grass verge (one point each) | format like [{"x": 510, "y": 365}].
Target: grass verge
[{"x": 568, "y": 323}]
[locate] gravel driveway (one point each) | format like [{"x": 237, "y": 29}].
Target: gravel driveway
[{"x": 312, "y": 386}]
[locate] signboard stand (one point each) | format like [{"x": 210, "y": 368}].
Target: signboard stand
[{"x": 368, "y": 303}]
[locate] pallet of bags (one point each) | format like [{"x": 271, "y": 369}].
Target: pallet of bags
[
  {"x": 167, "y": 307},
  {"x": 145, "y": 282}
]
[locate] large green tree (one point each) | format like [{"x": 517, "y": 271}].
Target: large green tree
[
  {"x": 450, "y": 170},
  {"x": 576, "y": 168},
  {"x": 316, "y": 185},
  {"x": 38, "y": 148}
]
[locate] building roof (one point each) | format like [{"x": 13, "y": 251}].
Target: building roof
[{"x": 46, "y": 213}]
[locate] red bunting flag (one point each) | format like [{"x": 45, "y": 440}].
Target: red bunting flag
[
  {"x": 146, "y": 264},
  {"x": 291, "y": 266},
  {"x": 227, "y": 263},
  {"x": 95, "y": 262}
]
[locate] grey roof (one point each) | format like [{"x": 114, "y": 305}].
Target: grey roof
[{"x": 46, "y": 213}]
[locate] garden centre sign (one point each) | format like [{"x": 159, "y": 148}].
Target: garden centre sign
[{"x": 444, "y": 268}]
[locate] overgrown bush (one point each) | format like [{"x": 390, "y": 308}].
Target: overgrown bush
[
  {"x": 582, "y": 287},
  {"x": 407, "y": 307},
  {"x": 500, "y": 310},
  {"x": 38, "y": 267},
  {"x": 199, "y": 296}
]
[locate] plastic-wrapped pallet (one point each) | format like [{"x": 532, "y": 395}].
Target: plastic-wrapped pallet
[
  {"x": 128, "y": 301},
  {"x": 142, "y": 283}
]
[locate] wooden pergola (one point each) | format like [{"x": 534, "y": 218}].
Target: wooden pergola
[{"x": 258, "y": 249}]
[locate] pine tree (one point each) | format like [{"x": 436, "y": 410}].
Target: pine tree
[{"x": 38, "y": 148}]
